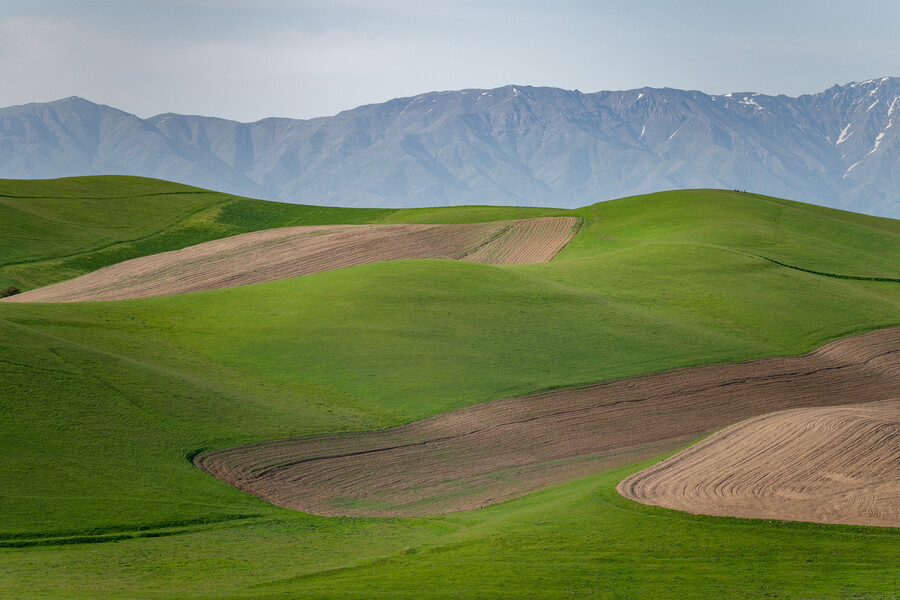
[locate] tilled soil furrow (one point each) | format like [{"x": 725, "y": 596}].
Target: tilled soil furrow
[
  {"x": 294, "y": 251},
  {"x": 827, "y": 464},
  {"x": 495, "y": 451}
]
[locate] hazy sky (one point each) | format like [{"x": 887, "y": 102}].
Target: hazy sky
[{"x": 245, "y": 60}]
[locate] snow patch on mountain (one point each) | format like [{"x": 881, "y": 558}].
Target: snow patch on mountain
[
  {"x": 844, "y": 135},
  {"x": 511, "y": 145}
]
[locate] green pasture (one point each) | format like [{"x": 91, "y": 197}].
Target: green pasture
[
  {"x": 61, "y": 228},
  {"x": 105, "y": 403}
]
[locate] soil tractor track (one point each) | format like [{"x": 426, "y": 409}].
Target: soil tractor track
[
  {"x": 827, "y": 465},
  {"x": 491, "y": 452},
  {"x": 294, "y": 251}
]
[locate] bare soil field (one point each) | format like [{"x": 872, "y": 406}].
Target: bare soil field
[
  {"x": 491, "y": 452},
  {"x": 826, "y": 465},
  {"x": 293, "y": 251}
]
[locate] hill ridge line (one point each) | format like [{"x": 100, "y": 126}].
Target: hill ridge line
[
  {"x": 767, "y": 259},
  {"x": 501, "y": 146},
  {"x": 172, "y": 227},
  {"x": 303, "y": 250}
]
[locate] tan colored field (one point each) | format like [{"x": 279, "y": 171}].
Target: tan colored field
[
  {"x": 292, "y": 251},
  {"x": 826, "y": 465},
  {"x": 491, "y": 452}
]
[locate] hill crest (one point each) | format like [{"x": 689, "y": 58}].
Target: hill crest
[{"x": 514, "y": 145}]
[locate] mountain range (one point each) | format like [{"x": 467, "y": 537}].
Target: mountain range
[{"x": 514, "y": 145}]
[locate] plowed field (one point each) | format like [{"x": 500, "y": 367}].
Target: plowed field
[
  {"x": 826, "y": 465},
  {"x": 491, "y": 452},
  {"x": 292, "y": 251}
]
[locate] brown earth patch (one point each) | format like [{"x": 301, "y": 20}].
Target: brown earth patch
[
  {"x": 293, "y": 251},
  {"x": 487, "y": 453},
  {"x": 825, "y": 465}
]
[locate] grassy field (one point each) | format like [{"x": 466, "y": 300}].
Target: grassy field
[
  {"x": 61, "y": 228},
  {"x": 106, "y": 403}
]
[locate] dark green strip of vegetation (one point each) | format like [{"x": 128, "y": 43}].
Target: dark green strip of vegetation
[{"x": 824, "y": 274}]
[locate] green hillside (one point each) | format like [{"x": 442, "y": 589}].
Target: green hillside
[
  {"x": 61, "y": 228},
  {"x": 105, "y": 403}
]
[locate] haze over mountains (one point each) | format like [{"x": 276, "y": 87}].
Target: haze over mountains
[{"x": 514, "y": 145}]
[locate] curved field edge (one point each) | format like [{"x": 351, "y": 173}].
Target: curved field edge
[
  {"x": 793, "y": 234},
  {"x": 359, "y": 349},
  {"x": 117, "y": 534},
  {"x": 52, "y": 230},
  {"x": 285, "y": 252},
  {"x": 826, "y": 465},
  {"x": 490, "y": 452},
  {"x": 149, "y": 382},
  {"x": 580, "y": 539},
  {"x": 67, "y": 227}
]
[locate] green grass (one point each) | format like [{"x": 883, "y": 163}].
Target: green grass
[
  {"x": 470, "y": 214},
  {"x": 61, "y": 228},
  {"x": 104, "y": 404},
  {"x": 802, "y": 235},
  {"x": 579, "y": 540}
]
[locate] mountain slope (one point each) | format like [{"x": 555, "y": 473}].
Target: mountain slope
[{"x": 514, "y": 145}]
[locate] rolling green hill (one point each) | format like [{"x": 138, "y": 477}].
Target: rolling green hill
[
  {"x": 106, "y": 403},
  {"x": 61, "y": 228}
]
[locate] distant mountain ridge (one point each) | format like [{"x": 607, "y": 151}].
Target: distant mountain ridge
[{"x": 511, "y": 145}]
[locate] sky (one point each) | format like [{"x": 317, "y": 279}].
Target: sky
[{"x": 251, "y": 59}]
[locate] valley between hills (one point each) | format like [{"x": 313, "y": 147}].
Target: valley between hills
[{"x": 417, "y": 399}]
